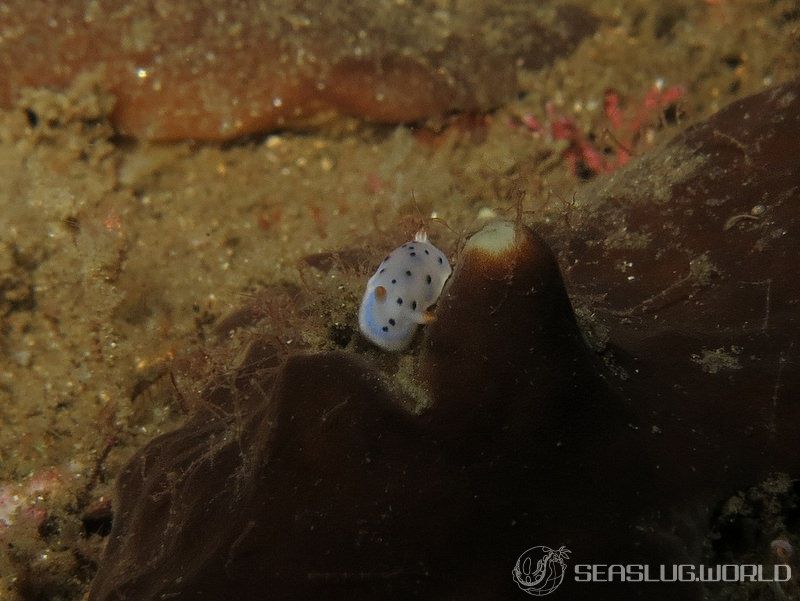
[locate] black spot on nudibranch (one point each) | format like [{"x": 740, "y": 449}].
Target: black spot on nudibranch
[
  {"x": 408, "y": 273},
  {"x": 385, "y": 329},
  {"x": 414, "y": 306},
  {"x": 428, "y": 279},
  {"x": 441, "y": 261},
  {"x": 382, "y": 270},
  {"x": 392, "y": 322},
  {"x": 426, "y": 252},
  {"x": 412, "y": 254},
  {"x": 394, "y": 281},
  {"x": 399, "y": 301}
]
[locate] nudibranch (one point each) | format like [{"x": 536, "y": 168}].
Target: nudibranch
[{"x": 407, "y": 282}]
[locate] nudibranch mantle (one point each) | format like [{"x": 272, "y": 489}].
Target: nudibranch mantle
[{"x": 407, "y": 282}]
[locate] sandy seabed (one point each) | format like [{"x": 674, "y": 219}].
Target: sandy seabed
[{"x": 119, "y": 258}]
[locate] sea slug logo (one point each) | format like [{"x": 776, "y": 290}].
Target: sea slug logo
[{"x": 540, "y": 570}]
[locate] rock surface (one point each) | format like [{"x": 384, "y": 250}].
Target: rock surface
[
  {"x": 305, "y": 478},
  {"x": 217, "y": 70}
]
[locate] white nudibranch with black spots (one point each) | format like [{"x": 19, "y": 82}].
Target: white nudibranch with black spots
[{"x": 408, "y": 281}]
